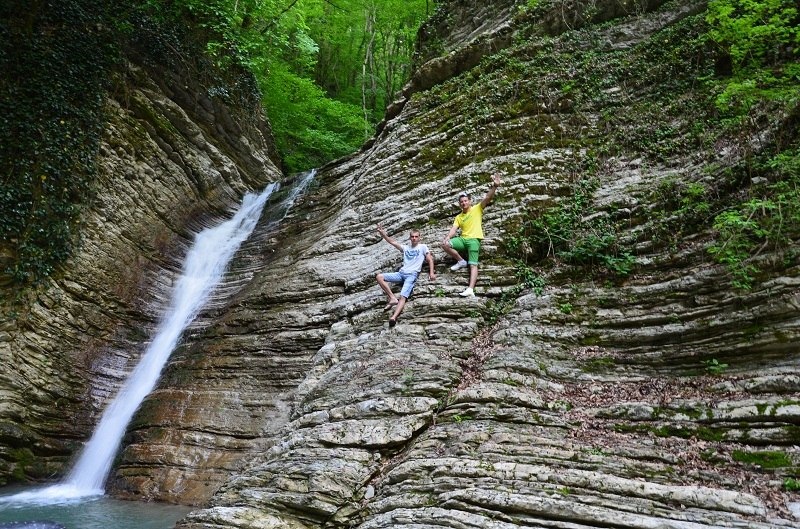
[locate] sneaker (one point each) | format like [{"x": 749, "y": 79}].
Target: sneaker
[
  {"x": 468, "y": 293},
  {"x": 459, "y": 265}
]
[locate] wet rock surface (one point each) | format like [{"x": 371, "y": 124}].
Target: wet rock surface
[
  {"x": 588, "y": 403},
  {"x": 664, "y": 399},
  {"x": 166, "y": 171}
]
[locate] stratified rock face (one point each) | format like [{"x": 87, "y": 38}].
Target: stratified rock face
[
  {"x": 580, "y": 401},
  {"x": 665, "y": 398},
  {"x": 174, "y": 158}
]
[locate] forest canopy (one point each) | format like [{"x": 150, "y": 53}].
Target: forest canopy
[{"x": 326, "y": 68}]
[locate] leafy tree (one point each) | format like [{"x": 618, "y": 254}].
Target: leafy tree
[
  {"x": 327, "y": 68},
  {"x": 365, "y": 49},
  {"x": 310, "y": 128},
  {"x": 762, "y": 39}
]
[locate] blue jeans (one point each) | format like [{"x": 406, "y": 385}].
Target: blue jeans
[{"x": 408, "y": 280}]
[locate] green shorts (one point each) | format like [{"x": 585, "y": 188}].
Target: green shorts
[{"x": 471, "y": 246}]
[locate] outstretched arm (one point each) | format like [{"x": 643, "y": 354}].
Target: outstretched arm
[
  {"x": 388, "y": 239},
  {"x": 490, "y": 194}
]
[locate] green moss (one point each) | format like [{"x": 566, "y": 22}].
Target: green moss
[
  {"x": 631, "y": 428},
  {"x": 750, "y": 331},
  {"x": 710, "y": 434},
  {"x": 598, "y": 365},
  {"x": 791, "y": 432},
  {"x": 765, "y": 459},
  {"x": 22, "y": 456},
  {"x": 22, "y": 459},
  {"x": 688, "y": 432},
  {"x": 693, "y": 413},
  {"x": 590, "y": 340}
]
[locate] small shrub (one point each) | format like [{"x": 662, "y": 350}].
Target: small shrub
[
  {"x": 598, "y": 365},
  {"x": 567, "y": 231},
  {"x": 714, "y": 366},
  {"x": 791, "y": 484}
]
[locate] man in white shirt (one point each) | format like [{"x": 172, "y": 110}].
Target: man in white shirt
[{"x": 413, "y": 257}]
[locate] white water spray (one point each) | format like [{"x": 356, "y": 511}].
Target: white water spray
[{"x": 203, "y": 269}]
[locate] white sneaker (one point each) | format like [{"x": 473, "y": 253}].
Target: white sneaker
[
  {"x": 459, "y": 265},
  {"x": 468, "y": 293}
]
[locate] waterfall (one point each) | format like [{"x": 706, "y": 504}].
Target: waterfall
[{"x": 203, "y": 269}]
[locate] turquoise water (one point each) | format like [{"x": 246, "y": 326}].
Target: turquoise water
[{"x": 100, "y": 512}]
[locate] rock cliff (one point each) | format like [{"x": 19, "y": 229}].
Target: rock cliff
[
  {"x": 583, "y": 401},
  {"x": 183, "y": 143},
  {"x": 630, "y": 387},
  {"x": 655, "y": 398}
]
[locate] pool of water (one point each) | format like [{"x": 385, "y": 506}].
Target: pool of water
[{"x": 99, "y": 512}]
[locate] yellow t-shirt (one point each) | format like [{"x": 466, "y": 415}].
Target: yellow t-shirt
[{"x": 471, "y": 222}]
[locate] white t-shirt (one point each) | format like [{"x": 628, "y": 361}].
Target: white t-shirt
[{"x": 413, "y": 257}]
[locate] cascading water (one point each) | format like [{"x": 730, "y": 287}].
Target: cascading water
[{"x": 203, "y": 269}]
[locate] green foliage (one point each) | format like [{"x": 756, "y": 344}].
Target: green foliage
[
  {"x": 680, "y": 208},
  {"x": 738, "y": 234},
  {"x": 529, "y": 278},
  {"x": 791, "y": 484},
  {"x": 755, "y": 33},
  {"x": 365, "y": 49},
  {"x": 762, "y": 39},
  {"x": 568, "y": 231},
  {"x": 766, "y": 459},
  {"x": 56, "y": 59},
  {"x": 714, "y": 366},
  {"x": 327, "y": 69},
  {"x": 768, "y": 218},
  {"x": 310, "y": 129}
]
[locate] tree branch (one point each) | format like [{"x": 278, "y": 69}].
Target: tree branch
[
  {"x": 286, "y": 10},
  {"x": 278, "y": 16}
]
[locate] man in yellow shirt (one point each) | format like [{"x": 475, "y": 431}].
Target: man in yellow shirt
[{"x": 470, "y": 222}]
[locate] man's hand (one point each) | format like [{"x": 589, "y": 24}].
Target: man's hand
[
  {"x": 432, "y": 275},
  {"x": 496, "y": 180}
]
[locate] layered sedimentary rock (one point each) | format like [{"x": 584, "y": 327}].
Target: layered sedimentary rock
[
  {"x": 557, "y": 397},
  {"x": 174, "y": 158},
  {"x": 653, "y": 399}
]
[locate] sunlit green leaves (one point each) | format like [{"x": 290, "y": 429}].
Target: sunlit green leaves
[
  {"x": 356, "y": 52},
  {"x": 310, "y": 128},
  {"x": 763, "y": 41},
  {"x": 754, "y": 32}
]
